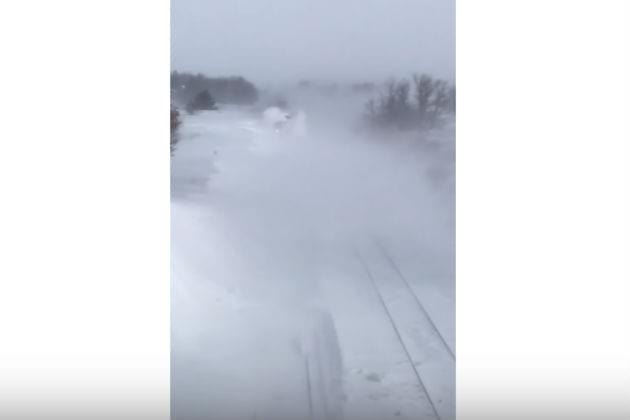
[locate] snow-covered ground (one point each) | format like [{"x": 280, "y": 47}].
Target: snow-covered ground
[{"x": 312, "y": 270}]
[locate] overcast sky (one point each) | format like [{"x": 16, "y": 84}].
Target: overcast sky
[{"x": 287, "y": 40}]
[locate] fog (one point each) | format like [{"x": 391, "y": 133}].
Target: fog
[
  {"x": 312, "y": 230},
  {"x": 295, "y": 39},
  {"x": 273, "y": 313}
]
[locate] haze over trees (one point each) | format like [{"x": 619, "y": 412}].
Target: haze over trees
[
  {"x": 329, "y": 88},
  {"x": 175, "y": 123},
  {"x": 423, "y": 103},
  {"x": 197, "y": 92},
  {"x": 234, "y": 90},
  {"x": 202, "y": 102}
]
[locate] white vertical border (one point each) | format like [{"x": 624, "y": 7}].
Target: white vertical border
[
  {"x": 84, "y": 226},
  {"x": 543, "y": 302}
]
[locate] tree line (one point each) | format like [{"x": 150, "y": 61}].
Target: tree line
[
  {"x": 197, "y": 92},
  {"x": 422, "y": 103},
  {"x": 236, "y": 90}
]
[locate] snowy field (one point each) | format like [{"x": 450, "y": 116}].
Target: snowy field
[{"x": 312, "y": 270}]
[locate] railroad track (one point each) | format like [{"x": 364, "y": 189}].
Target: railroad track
[{"x": 428, "y": 354}]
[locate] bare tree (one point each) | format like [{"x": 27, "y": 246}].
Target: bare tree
[
  {"x": 423, "y": 90},
  {"x": 393, "y": 107},
  {"x": 439, "y": 103},
  {"x": 434, "y": 98},
  {"x": 175, "y": 123},
  {"x": 451, "y": 100}
]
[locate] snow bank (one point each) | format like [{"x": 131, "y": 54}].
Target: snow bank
[{"x": 271, "y": 315}]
